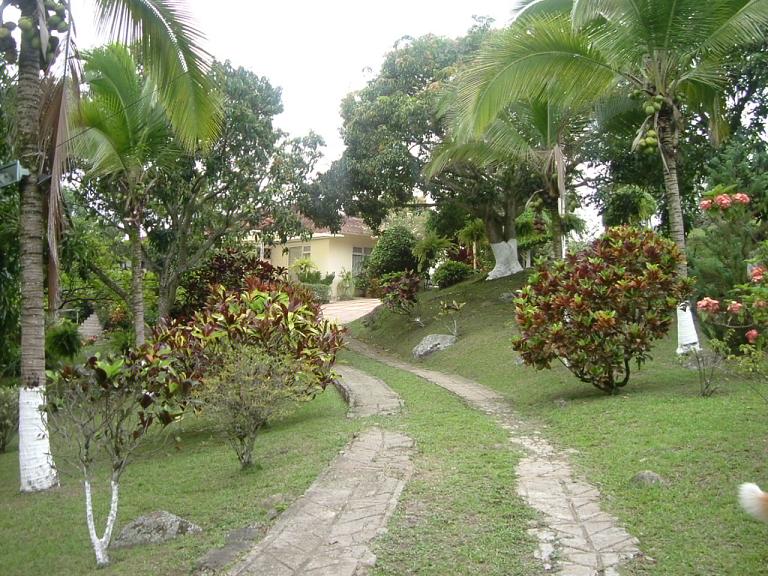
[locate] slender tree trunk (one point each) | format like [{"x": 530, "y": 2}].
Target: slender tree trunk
[
  {"x": 137, "y": 282},
  {"x": 558, "y": 247},
  {"x": 687, "y": 337},
  {"x": 167, "y": 295},
  {"x": 35, "y": 464},
  {"x": 474, "y": 255},
  {"x": 669, "y": 150},
  {"x": 101, "y": 545}
]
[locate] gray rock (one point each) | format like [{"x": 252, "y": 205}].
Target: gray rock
[
  {"x": 648, "y": 478},
  {"x": 154, "y": 528},
  {"x": 507, "y": 297},
  {"x": 433, "y": 343}
]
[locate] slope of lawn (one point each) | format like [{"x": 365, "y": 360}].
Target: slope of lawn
[
  {"x": 704, "y": 447},
  {"x": 198, "y": 479}
]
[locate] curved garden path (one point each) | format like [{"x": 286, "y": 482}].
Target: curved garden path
[{"x": 578, "y": 538}]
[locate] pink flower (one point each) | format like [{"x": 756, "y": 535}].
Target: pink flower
[
  {"x": 723, "y": 200},
  {"x": 761, "y": 304},
  {"x": 708, "y": 304},
  {"x": 741, "y": 198},
  {"x": 757, "y": 274},
  {"x": 705, "y": 204},
  {"x": 734, "y": 307},
  {"x": 752, "y": 336}
]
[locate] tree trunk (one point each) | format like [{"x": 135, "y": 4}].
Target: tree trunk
[
  {"x": 137, "y": 283},
  {"x": 35, "y": 465},
  {"x": 558, "y": 245},
  {"x": 687, "y": 338},
  {"x": 669, "y": 140},
  {"x": 101, "y": 545},
  {"x": 166, "y": 296},
  {"x": 507, "y": 261}
]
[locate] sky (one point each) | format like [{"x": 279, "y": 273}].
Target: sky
[{"x": 316, "y": 51}]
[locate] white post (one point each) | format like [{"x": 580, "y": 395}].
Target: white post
[{"x": 36, "y": 468}]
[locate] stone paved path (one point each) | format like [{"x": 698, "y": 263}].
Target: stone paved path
[
  {"x": 578, "y": 538},
  {"x": 366, "y": 395},
  {"x": 327, "y": 531},
  {"x": 345, "y": 311}
]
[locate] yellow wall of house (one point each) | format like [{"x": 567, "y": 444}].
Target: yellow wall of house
[{"x": 329, "y": 254}]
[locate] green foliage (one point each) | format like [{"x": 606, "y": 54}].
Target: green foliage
[
  {"x": 600, "y": 309},
  {"x": 628, "y": 204},
  {"x": 251, "y": 389},
  {"x": 62, "y": 341},
  {"x": 430, "y": 249},
  {"x": 228, "y": 267},
  {"x": 399, "y": 291},
  {"x": 307, "y": 273},
  {"x": 392, "y": 253},
  {"x": 321, "y": 292},
  {"x": 9, "y": 414},
  {"x": 451, "y": 272},
  {"x": 10, "y": 289},
  {"x": 346, "y": 287}
]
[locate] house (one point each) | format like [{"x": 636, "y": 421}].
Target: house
[{"x": 342, "y": 252}]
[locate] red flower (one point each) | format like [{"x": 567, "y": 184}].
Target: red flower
[
  {"x": 741, "y": 198},
  {"x": 752, "y": 336},
  {"x": 705, "y": 204},
  {"x": 757, "y": 274},
  {"x": 708, "y": 304},
  {"x": 734, "y": 307},
  {"x": 723, "y": 200}
]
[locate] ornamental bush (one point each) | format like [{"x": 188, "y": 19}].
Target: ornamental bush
[
  {"x": 393, "y": 252},
  {"x": 399, "y": 291},
  {"x": 9, "y": 414},
  {"x": 451, "y": 272},
  {"x": 62, "y": 340},
  {"x": 599, "y": 310}
]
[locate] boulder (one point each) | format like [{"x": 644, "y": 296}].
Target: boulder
[
  {"x": 508, "y": 297},
  {"x": 648, "y": 478},
  {"x": 154, "y": 528},
  {"x": 433, "y": 343}
]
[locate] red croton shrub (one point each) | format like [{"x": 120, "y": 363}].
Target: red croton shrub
[
  {"x": 398, "y": 291},
  {"x": 599, "y": 310}
]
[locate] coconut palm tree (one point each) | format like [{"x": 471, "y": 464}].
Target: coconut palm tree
[
  {"x": 125, "y": 137},
  {"x": 669, "y": 54},
  {"x": 171, "y": 52}
]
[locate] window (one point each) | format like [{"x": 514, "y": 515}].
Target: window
[
  {"x": 359, "y": 255},
  {"x": 298, "y": 252}
]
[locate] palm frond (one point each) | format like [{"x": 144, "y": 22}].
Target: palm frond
[
  {"x": 171, "y": 47},
  {"x": 739, "y": 22}
]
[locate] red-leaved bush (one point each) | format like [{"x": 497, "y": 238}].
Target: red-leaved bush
[
  {"x": 600, "y": 309},
  {"x": 398, "y": 291}
]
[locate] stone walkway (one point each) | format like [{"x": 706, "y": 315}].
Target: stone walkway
[
  {"x": 345, "y": 311},
  {"x": 327, "y": 531},
  {"x": 366, "y": 395},
  {"x": 578, "y": 538}
]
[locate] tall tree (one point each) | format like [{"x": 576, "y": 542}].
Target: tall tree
[{"x": 170, "y": 49}]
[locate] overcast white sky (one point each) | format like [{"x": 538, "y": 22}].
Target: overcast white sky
[{"x": 316, "y": 51}]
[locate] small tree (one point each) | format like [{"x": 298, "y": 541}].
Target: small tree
[
  {"x": 392, "y": 253},
  {"x": 251, "y": 388},
  {"x": 430, "y": 249},
  {"x": 107, "y": 406},
  {"x": 600, "y": 309},
  {"x": 399, "y": 291}
]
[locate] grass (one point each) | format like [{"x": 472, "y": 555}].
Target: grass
[
  {"x": 200, "y": 481},
  {"x": 459, "y": 514},
  {"x": 704, "y": 447}
]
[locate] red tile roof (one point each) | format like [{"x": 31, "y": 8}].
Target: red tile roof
[{"x": 351, "y": 226}]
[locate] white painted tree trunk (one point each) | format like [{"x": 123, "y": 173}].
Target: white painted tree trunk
[
  {"x": 687, "y": 338},
  {"x": 507, "y": 262},
  {"x": 36, "y": 468},
  {"x": 101, "y": 545}
]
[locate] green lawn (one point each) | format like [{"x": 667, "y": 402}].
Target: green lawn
[
  {"x": 46, "y": 533},
  {"x": 705, "y": 447}
]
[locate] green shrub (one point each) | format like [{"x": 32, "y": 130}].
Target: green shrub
[
  {"x": 321, "y": 292},
  {"x": 250, "y": 389},
  {"x": 600, "y": 309},
  {"x": 62, "y": 341},
  {"x": 399, "y": 291},
  {"x": 121, "y": 340},
  {"x": 346, "y": 287},
  {"x": 392, "y": 253},
  {"x": 9, "y": 415},
  {"x": 431, "y": 248},
  {"x": 451, "y": 272}
]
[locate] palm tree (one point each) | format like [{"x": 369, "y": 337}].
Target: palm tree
[
  {"x": 170, "y": 49},
  {"x": 671, "y": 54},
  {"x": 125, "y": 137}
]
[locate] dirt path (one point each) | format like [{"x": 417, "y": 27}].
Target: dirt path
[{"x": 577, "y": 538}]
